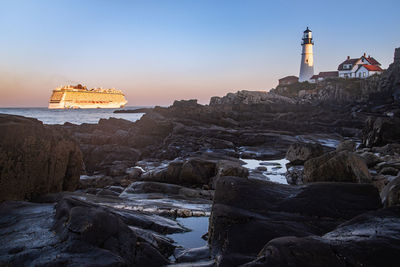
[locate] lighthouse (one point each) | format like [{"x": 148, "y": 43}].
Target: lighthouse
[{"x": 307, "y": 57}]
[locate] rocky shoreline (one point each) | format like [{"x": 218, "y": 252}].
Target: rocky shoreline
[{"x": 284, "y": 182}]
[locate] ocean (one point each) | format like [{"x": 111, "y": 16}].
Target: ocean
[{"x": 75, "y": 116}]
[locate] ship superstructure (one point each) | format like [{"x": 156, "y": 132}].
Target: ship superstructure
[{"x": 78, "y": 96}]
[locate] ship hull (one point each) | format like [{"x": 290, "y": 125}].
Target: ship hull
[
  {"x": 75, "y": 106},
  {"x": 82, "y": 99}
]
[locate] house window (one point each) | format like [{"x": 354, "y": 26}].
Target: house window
[
  {"x": 359, "y": 74},
  {"x": 364, "y": 74}
]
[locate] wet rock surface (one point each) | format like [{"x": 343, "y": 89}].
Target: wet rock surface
[
  {"x": 347, "y": 245},
  {"x": 246, "y": 214},
  {"x": 76, "y": 232}
]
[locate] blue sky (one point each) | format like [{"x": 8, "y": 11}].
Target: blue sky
[{"x": 158, "y": 51}]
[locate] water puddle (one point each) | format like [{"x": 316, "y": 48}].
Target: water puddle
[
  {"x": 267, "y": 170},
  {"x": 193, "y": 239}
]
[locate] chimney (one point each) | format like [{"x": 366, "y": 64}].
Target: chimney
[
  {"x": 348, "y": 57},
  {"x": 365, "y": 55}
]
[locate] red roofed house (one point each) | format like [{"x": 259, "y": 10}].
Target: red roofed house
[
  {"x": 365, "y": 70},
  {"x": 323, "y": 75},
  {"x": 359, "y": 67},
  {"x": 288, "y": 80}
]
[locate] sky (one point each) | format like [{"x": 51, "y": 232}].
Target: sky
[{"x": 159, "y": 51}]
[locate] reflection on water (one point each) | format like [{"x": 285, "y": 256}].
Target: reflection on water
[{"x": 192, "y": 239}]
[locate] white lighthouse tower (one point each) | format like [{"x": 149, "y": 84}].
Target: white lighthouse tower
[{"x": 307, "y": 57}]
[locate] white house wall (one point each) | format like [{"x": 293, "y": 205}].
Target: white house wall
[{"x": 363, "y": 72}]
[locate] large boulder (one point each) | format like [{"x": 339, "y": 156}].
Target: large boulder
[
  {"x": 370, "y": 239},
  {"x": 246, "y": 213},
  {"x": 197, "y": 171},
  {"x": 381, "y": 131},
  {"x": 35, "y": 159},
  {"x": 194, "y": 171},
  {"x": 335, "y": 166},
  {"x": 347, "y": 145},
  {"x": 298, "y": 153}
]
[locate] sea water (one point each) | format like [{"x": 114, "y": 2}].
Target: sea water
[{"x": 75, "y": 116}]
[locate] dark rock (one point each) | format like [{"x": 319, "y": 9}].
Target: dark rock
[
  {"x": 299, "y": 153},
  {"x": 197, "y": 171},
  {"x": 389, "y": 149},
  {"x": 170, "y": 189},
  {"x": 107, "y": 192},
  {"x": 389, "y": 171},
  {"x": 294, "y": 175},
  {"x": 160, "y": 242},
  {"x": 118, "y": 189},
  {"x": 100, "y": 158},
  {"x": 113, "y": 124},
  {"x": 335, "y": 166},
  {"x": 231, "y": 168},
  {"x": 194, "y": 254},
  {"x": 192, "y": 103},
  {"x": 193, "y": 171},
  {"x": 249, "y": 97},
  {"x": 380, "y": 181},
  {"x": 381, "y": 131},
  {"x": 346, "y": 145},
  {"x": 246, "y": 214},
  {"x": 84, "y": 235},
  {"x": 390, "y": 194},
  {"x": 138, "y": 110},
  {"x": 96, "y": 181},
  {"x": 370, "y": 159},
  {"x": 348, "y": 245},
  {"x": 35, "y": 159},
  {"x": 134, "y": 172},
  {"x": 118, "y": 168}
]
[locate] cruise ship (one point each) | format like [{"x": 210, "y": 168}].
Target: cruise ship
[{"x": 78, "y": 96}]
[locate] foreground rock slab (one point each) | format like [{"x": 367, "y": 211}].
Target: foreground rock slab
[
  {"x": 371, "y": 239},
  {"x": 79, "y": 233},
  {"x": 247, "y": 214},
  {"x": 35, "y": 159}
]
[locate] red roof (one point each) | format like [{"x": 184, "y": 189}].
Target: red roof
[
  {"x": 372, "y": 67},
  {"x": 372, "y": 61}
]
